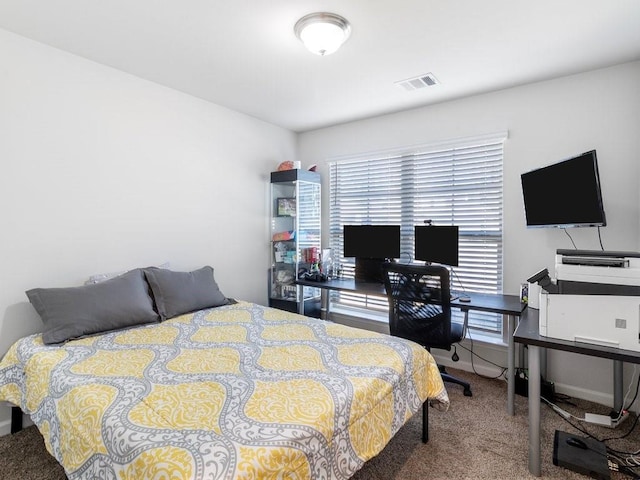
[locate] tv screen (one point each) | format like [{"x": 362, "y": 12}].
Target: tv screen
[
  {"x": 372, "y": 241},
  {"x": 437, "y": 244},
  {"x": 565, "y": 194}
]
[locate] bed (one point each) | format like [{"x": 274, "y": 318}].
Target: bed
[{"x": 233, "y": 390}]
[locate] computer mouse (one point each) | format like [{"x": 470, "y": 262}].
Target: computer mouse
[
  {"x": 576, "y": 442},
  {"x": 465, "y": 298}
]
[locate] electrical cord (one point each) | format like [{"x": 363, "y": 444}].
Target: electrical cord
[
  {"x": 623, "y": 462},
  {"x": 474, "y": 354},
  {"x": 626, "y": 461},
  {"x": 626, "y": 396},
  {"x": 600, "y": 239},
  {"x": 627, "y": 471},
  {"x": 458, "y": 279},
  {"x": 635, "y": 396},
  {"x": 568, "y": 416},
  {"x": 617, "y": 464},
  {"x": 624, "y": 458},
  {"x": 574, "y": 244},
  {"x": 562, "y": 398},
  {"x": 563, "y": 413},
  {"x": 630, "y": 461},
  {"x": 635, "y": 422},
  {"x": 633, "y": 426}
]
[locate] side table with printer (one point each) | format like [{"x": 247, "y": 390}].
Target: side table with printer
[
  {"x": 590, "y": 308},
  {"x": 594, "y": 299}
]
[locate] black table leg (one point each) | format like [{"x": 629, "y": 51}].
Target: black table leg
[
  {"x": 16, "y": 419},
  {"x": 425, "y": 421}
]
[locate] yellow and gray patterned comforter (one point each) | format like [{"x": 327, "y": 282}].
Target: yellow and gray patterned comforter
[{"x": 240, "y": 391}]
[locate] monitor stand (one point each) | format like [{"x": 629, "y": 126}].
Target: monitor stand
[{"x": 369, "y": 270}]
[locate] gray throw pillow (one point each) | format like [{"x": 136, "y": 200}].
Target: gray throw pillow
[
  {"x": 75, "y": 312},
  {"x": 176, "y": 293}
]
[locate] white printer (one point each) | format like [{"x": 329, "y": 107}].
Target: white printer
[
  {"x": 596, "y": 271},
  {"x": 595, "y": 298}
]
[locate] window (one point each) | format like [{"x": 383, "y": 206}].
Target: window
[{"x": 458, "y": 183}]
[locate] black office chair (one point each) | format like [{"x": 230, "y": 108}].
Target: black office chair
[{"x": 420, "y": 309}]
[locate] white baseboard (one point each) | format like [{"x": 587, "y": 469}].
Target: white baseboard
[
  {"x": 584, "y": 394},
  {"x": 5, "y": 428}
]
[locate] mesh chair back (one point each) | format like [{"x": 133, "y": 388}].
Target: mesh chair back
[{"x": 419, "y": 303}]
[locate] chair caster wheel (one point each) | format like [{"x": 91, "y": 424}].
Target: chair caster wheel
[{"x": 467, "y": 392}]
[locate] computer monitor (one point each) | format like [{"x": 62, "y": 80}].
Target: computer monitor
[
  {"x": 371, "y": 246},
  {"x": 372, "y": 241},
  {"x": 437, "y": 244},
  {"x": 565, "y": 194}
]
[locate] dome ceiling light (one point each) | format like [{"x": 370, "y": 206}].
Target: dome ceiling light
[{"x": 322, "y": 33}]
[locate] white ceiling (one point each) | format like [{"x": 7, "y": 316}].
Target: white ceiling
[{"x": 243, "y": 54}]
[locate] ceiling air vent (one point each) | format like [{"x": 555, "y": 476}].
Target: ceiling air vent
[{"x": 426, "y": 80}]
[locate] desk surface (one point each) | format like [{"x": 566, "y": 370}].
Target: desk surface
[
  {"x": 528, "y": 333},
  {"x": 488, "y": 302}
]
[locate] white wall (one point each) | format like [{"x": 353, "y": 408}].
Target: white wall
[
  {"x": 547, "y": 122},
  {"x": 101, "y": 171}
]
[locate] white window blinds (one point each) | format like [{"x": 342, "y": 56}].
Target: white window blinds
[{"x": 458, "y": 183}]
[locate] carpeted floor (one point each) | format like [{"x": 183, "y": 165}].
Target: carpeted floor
[{"x": 475, "y": 439}]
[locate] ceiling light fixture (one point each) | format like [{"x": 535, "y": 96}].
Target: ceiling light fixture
[{"x": 322, "y": 33}]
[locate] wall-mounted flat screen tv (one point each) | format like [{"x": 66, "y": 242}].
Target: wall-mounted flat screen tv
[
  {"x": 437, "y": 244},
  {"x": 565, "y": 194},
  {"x": 372, "y": 241}
]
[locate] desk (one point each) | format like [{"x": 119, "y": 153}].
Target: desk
[
  {"x": 509, "y": 305},
  {"x": 528, "y": 334}
]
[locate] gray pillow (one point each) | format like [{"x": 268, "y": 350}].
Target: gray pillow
[
  {"x": 176, "y": 293},
  {"x": 74, "y": 312}
]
